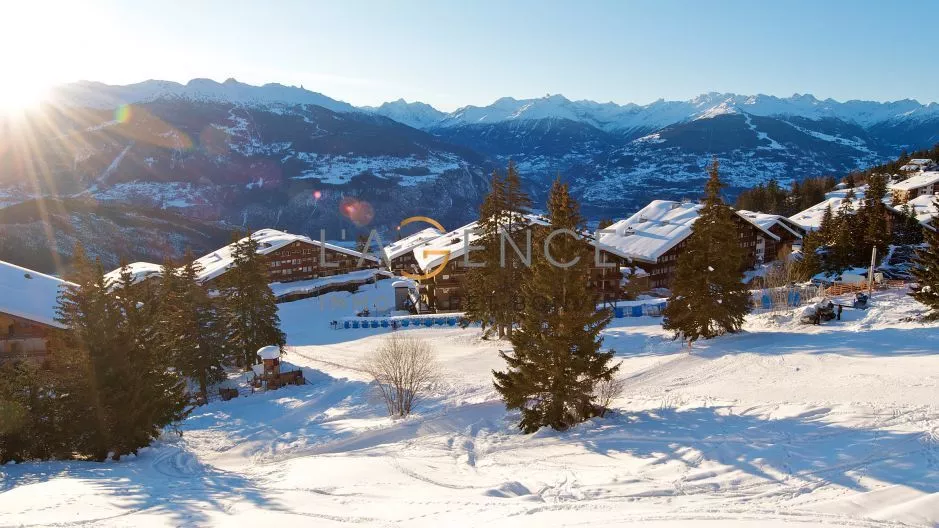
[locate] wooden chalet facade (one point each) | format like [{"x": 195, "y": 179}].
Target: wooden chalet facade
[
  {"x": 290, "y": 258},
  {"x": 28, "y": 301}
]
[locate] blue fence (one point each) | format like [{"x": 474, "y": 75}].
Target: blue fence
[
  {"x": 416, "y": 321},
  {"x": 638, "y": 310}
]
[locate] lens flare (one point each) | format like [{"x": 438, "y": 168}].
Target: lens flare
[
  {"x": 317, "y": 195},
  {"x": 122, "y": 114},
  {"x": 358, "y": 211}
]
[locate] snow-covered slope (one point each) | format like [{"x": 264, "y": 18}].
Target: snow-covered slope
[{"x": 781, "y": 425}]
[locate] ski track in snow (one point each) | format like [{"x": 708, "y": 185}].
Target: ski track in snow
[{"x": 782, "y": 425}]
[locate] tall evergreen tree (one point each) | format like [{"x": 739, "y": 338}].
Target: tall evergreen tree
[
  {"x": 249, "y": 308},
  {"x": 125, "y": 393},
  {"x": 556, "y": 360},
  {"x": 194, "y": 326},
  {"x": 481, "y": 284},
  {"x": 809, "y": 265},
  {"x": 493, "y": 297},
  {"x": 926, "y": 271},
  {"x": 908, "y": 230},
  {"x": 708, "y": 294},
  {"x": 876, "y": 235}
]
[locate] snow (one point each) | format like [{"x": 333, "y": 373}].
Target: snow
[
  {"x": 657, "y": 228},
  {"x": 408, "y": 243},
  {"x": 98, "y": 95},
  {"x": 922, "y": 179},
  {"x": 220, "y": 260},
  {"x": 282, "y": 289},
  {"x": 811, "y": 218},
  {"x": 925, "y": 208},
  {"x": 269, "y": 352},
  {"x": 781, "y": 425},
  {"x": 766, "y": 221},
  {"x": 29, "y": 294},
  {"x": 138, "y": 271}
]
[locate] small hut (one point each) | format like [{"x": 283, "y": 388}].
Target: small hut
[{"x": 271, "y": 374}]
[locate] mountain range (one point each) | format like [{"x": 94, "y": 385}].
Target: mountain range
[{"x": 232, "y": 154}]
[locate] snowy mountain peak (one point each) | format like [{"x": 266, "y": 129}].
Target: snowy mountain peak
[{"x": 98, "y": 95}]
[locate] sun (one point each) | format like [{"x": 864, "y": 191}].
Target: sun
[{"x": 20, "y": 96}]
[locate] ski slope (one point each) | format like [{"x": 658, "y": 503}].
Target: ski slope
[{"x": 781, "y": 425}]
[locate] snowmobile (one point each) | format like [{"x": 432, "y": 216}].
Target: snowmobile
[{"x": 860, "y": 301}]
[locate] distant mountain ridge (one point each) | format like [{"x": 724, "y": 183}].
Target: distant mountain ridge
[{"x": 291, "y": 158}]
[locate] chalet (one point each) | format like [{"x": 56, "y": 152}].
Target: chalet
[
  {"x": 444, "y": 291},
  {"x": 654, "y": 237},
  {"x": 289, "y": 258},
  {"x": 788, "y": 233},
  {"x": 925, "y": 208},
  {"x": 922, "y": 184},
  {"x": 139, "y": 272},
  {"x": 811, "y": 218},
  {"x": 400, "y": 254},
  {"x": 919, "y": 165},
  {"x": 28, "y": 302}
]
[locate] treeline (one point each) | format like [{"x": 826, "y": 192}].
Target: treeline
[
  {"x": 774, "y": 199},
  {"x": 134, "y": 357},
  {"x": 847, "y": 237}
]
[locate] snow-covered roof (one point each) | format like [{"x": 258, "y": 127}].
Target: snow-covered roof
[
  {"x": 651, "y": 232},
  {"x": 139, "y": 271},
  {"x": 766, "y": 221},
  {"x": 29, "y": 294},
  {"x": 408, "y": 243},
  {"x": 925, "y": 208},
  {"x": 269, "y": 240},
  {"x": 921, "y": 161},
  {"x": 454, "y": 243},
  {"x": 269, "y": 352},
  {"x": 811, "y": 218},
  {"x": 657, "y": 228},
  {"x": 914, "y": 182}
]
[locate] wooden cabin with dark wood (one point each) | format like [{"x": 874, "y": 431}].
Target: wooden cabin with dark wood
[
  {"x": 28, "y": 301},
  {"x": 290, "y": 258},
  {"x": 399, "y": 255},
  {"x": 654, "y": 237}
]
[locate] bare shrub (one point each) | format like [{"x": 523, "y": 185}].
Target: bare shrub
[
  {"x": 605, "y": 391},
  {"x": 404, "y": 369}
]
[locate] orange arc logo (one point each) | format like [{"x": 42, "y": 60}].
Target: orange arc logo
[{"x": 426, "y": 251}]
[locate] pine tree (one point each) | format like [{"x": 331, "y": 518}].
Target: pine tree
[
  {"x": 926, "y": 271},
  {"x": 482, "y": 283},
  {"x": 493, "y": 289},
  {"x": 826, "y": 227},
  {"x": 908, "y": 229},
  {"x": 844, "y": 237},
  {"x": 249, "y": 308},
  {"x": 126, "y": 393},
  {"x": 194, "y": 326},
  {"x": 708, "y": 294},
  {"x": 876, "y": 234},
  {"x": 809, "y": 265},
  {"x": 556, "y": 360}
]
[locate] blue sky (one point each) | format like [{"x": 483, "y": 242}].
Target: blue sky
[{"x": 450, "y": 53}]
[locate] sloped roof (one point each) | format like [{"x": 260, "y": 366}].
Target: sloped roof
[
  {"x": 766, "y": 221},
  {"x": 29, "y": 294},
  {"x": 914, "y": 182},
  {"x": 925, "y": 208},
  {"x": 269, "y": 240},
  {"x": 139, "y": 271},
  {"x": 651, "y": 232},
  {"x": 408, "y": 243},
  {"x": 657, "y": 228},
  {"x": 453, "y": 244},
  {"x": 811, "y": 218}
]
